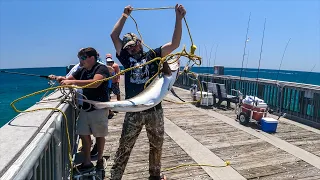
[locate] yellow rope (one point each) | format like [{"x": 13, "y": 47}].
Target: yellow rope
[
  {"x": 227, "y": 163},
  {"x": 53, "y": 109},
  {"x": 159, "y": 8},
  {"x": 191, "y": 56}
]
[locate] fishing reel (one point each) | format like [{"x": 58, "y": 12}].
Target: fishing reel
[
  {"x": 51, "y": 83},
  {"x": 193, "y": 49}
]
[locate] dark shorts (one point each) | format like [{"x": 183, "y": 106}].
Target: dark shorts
[{"x": 115, "y": 88}]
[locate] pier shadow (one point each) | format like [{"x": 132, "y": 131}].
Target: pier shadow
[
  {"x": 221, "y": 107},
  {"x": 11, "y": 122}
]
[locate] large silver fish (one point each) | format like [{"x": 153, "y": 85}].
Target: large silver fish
[{"x": 148, "y": 98}]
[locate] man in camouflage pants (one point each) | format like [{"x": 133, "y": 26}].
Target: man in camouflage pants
[{"x": 130, "y": 53}]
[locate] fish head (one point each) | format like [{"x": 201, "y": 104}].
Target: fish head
[{"x": 174, "y": 63}]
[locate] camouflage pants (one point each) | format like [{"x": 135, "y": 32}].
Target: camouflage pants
[{"x": 132, "y": 126}]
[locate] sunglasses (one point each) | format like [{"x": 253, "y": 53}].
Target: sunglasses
[
  {"x": 82, "y": 58},
  {"x": 131, "y": 46}
]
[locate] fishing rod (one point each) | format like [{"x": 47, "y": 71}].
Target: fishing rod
[
  {"x": 264, "y": 28},
  {"x": 309, "y": 74},
  {"x": 208, "y": 59},
  {"x": 281, "y": 114},
  {"x": 245, "y": 45},
  {"x": 215, "y": 55},
  {"x": 25, "y": 74},
  {"x": 246, "y": 64},
  {"x": 285, "y": 49},
  {"x": 280, "y": 92},
  {"x": 205, "y": 48},
  {"x": 209, "y": 62}
]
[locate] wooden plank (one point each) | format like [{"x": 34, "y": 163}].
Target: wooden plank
[
  {"x": 251, "y": 156},
  {"x": 137, "y": 167},
  {"x": 285, "y": 127},
  {"x": 298, "y": 152},
  {"x": 201, "y": 154},
  {"x": 221, "y": 141}
]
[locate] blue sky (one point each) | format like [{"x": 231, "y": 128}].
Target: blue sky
[{"x": 38, "y": 33}]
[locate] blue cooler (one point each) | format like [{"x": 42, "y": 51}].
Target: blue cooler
[{"x": 269, "y": 124}]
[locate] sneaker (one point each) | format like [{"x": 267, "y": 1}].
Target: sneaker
[
  {"x": 84, "y": 168},
  {"x": 100, "y": 164},
  {"x": 94, "y": 151},
  {"x": 110, "y": 116},
  {"x": 161, "y": 177}
]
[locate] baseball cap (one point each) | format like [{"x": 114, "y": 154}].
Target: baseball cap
[
  {"x": 128, "y": 40},
  {"x": 109, "y": 60}
]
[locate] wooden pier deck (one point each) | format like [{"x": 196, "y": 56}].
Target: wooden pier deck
[{"x": 212, "y": 136}]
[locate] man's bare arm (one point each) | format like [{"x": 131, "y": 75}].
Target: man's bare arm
[{"x": 116, "y": 31}]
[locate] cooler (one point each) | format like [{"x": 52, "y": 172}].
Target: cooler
[
  {"x": 258, "y": 110},
  {"x": 251, "y": 103},
  {"x": 207, "y": 98},
  {"x": 269, "y": 124}
]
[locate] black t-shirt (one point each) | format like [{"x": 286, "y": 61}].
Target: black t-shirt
[
  {"x": 96, "y": 94},
  {"x": 136, "y": 78}
]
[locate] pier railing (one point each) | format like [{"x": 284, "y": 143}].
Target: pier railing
[
  {"x": 300, "y": 102},
  {"x": 35, "y": 145}
]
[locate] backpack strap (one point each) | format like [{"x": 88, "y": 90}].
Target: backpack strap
[{"x": 94, "y": 70}]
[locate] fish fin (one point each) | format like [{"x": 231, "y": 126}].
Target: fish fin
[
  {"x": 175, "y": 94},
  {"x": 97, "y": 104}
]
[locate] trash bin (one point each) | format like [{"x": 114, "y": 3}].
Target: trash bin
[{"x": 218, "y": 70}]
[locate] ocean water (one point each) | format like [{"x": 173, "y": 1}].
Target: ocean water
[
  {"x": 14, "y": 86},
  {"x": 282, "y": 75}
]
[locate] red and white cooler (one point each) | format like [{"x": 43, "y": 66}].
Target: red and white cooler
[{"x": 254, "y": 105}]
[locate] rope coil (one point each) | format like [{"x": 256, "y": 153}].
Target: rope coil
[{"x": 193, "y": 59}]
